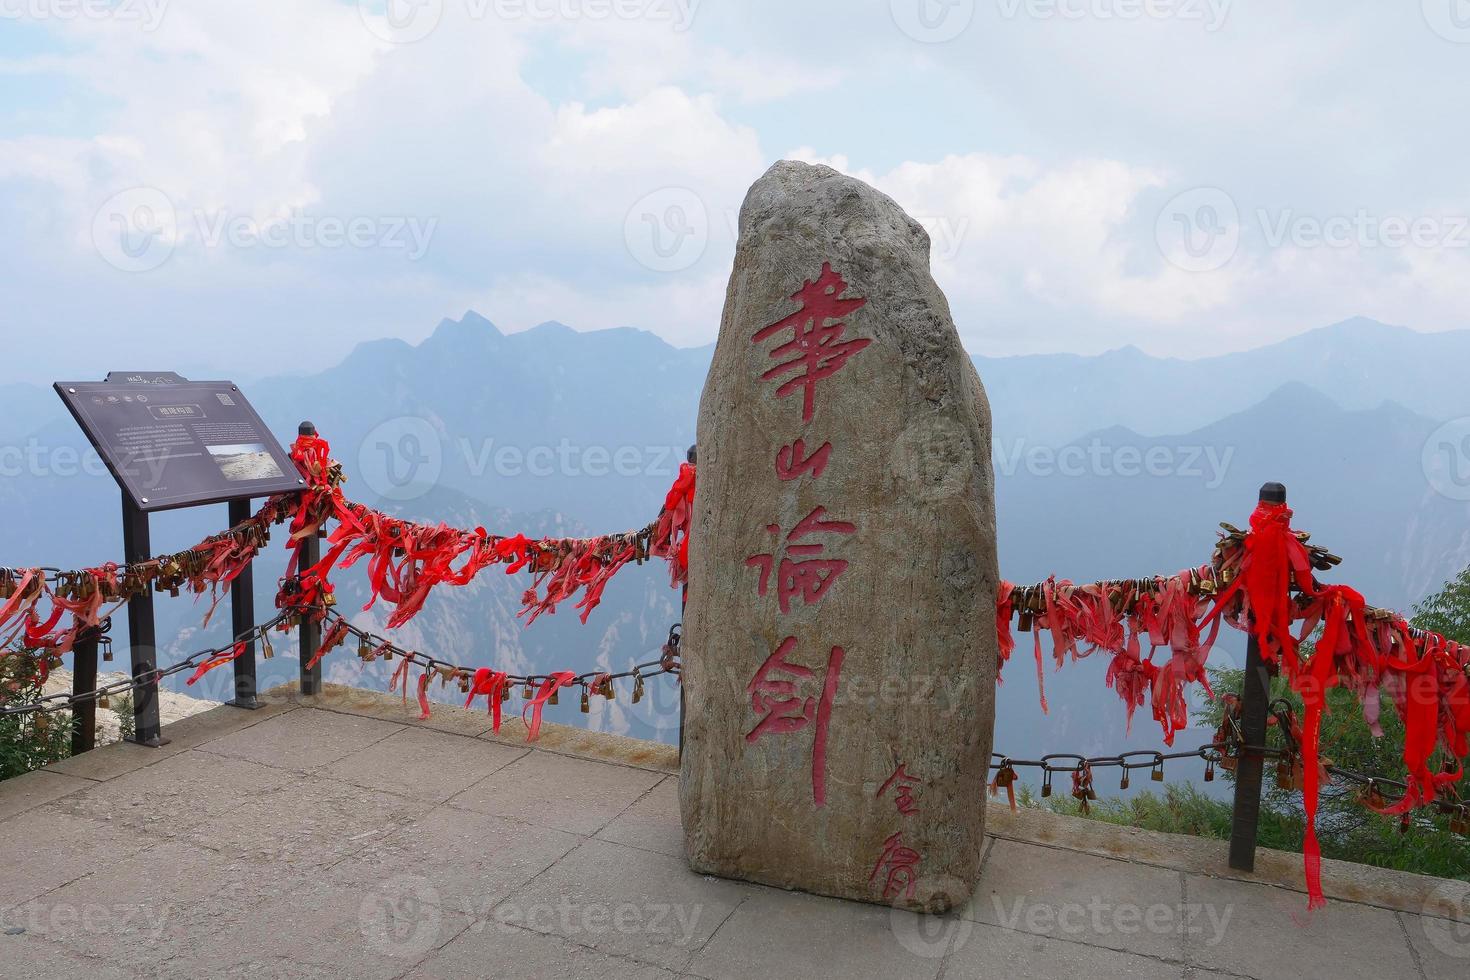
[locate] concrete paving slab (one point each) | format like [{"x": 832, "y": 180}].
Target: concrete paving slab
[
  {"x": 46, "y": 847},
  {"x": 1047, "y": 891},
  {"x": 121, "y": 758},
  {"x": 34, "y": 788},
  {"x": 175, "y": 794},
  {"x": 572, "y": 795},
  {"x": 1442, "y": 946},
  {"x": 364, "y": 703},
  {"x": 302, "y": 740},
  {"x": 466, "y": 861},
  {"x": 28, "y": 958},
  {"x": 533, "y": 954},
  {"x": 134, "y": 912},
  {"x": 788, "y": 934},
  {"x": 1343, "y": 880},
  {"x": 996, "y": 952},
  {"x": 1269, "y": 933},
  {"x": 425, "y": 765},
  {"x": 319, "y": 928},
  {"x": 307, "y": 823},
  {"x": 330, "y": 869},
  {"x": 652, "y": 823},
  {"x": 627, "y": 902}
]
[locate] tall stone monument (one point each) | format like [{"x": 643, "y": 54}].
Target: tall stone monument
[{"x": 840, "y": 645}]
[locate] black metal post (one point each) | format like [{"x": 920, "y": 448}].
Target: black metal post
[
  {"x": 84, "y": 681},
  {"x": 310, "y": 632},
  {"x": 242, "y": 619},
  {"x": 1255, "y": 697},
  {"x": 141, "y": 635}
]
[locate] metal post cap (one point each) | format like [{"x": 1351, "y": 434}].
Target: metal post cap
[
  {"x": 306, "y": 429},
  {"x": 1273, "y": 493}
]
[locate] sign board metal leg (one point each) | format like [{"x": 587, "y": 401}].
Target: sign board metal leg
[
  {"x": 136, "y": 549},
  {"x": 242, "y": 619}
]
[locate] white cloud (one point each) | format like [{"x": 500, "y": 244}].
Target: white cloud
[{"x": 1038, "y": 152}]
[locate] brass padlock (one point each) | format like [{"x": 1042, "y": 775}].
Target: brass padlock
[
  {"x": 586, "y": 703},
  {"x": 638, "y": 689}
]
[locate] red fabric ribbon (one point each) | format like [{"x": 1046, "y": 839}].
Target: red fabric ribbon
[
  {"x": 543, "y": 694},
  {"x": 490, "y": 683}
]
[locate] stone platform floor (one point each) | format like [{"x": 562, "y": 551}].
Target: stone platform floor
[{"x": 340, "y": 837}]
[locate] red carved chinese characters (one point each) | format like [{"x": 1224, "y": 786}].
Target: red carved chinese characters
[
  {"x": 792, "y": 461},
  {"x": 800, "y": 573},
  {"x": 789, "y": 697},
  {"x": 900, "y": 866},
  {"x": 902, "y": 785},
  {"x": 816, "y": 350},
  {"x": 785, "y": 710}
]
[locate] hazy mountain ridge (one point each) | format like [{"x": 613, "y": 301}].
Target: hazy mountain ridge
[
  {"x": 1360, "y": 363},
  {"x": 1082, "y": 507}
]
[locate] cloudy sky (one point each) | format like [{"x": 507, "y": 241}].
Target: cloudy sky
[{"x": 246, "y": 188}]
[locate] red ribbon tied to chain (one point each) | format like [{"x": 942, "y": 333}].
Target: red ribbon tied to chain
[
  {"x": 489, "y": 683},
  {"x": 543, "y": 694}
]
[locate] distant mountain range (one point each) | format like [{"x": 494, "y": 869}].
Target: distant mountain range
[
  {"x": 1359, "y": 363},
  {"x": 1115, "y": 465}
]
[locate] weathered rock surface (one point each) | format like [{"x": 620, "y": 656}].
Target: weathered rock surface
[{"x": 840, "y": 647}]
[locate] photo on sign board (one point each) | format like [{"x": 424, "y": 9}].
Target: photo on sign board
[{"x": 242, "y": 463}]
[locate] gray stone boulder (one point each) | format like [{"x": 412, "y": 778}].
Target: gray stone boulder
[{"x": 840, "y": 646}]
